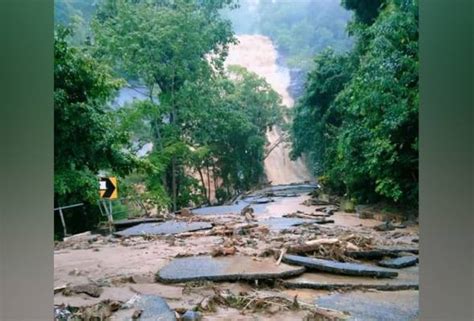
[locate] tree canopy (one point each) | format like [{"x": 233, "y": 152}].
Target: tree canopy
[
  {"x": 86, "y": 138},
  {"x": 358, "y": 119}
]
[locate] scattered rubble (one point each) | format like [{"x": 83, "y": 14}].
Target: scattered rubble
[
  {"x": 191, "y": 316},
  {"x": 264, "y": 242}
]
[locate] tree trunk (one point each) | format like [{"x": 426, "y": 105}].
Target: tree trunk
[
  {"x": 173, "y": 183},
  {"x": 208, "y": 181},
  {"x": 204, "y": 185}
]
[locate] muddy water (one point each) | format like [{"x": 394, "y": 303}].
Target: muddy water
[{"x": 257, "y": 54}]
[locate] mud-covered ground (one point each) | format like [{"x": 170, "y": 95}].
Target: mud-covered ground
[{"x": 120, "y": 269}]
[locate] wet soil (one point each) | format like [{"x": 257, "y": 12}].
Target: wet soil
[{"x": 127, "y": 266}]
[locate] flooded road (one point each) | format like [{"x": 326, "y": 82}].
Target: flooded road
[{"x": 229, "y": 247}]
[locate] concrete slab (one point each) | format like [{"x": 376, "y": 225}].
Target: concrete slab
[
  {"x": 224, "y": 269},
  {"x": 339, "y": 267},
  {"x": 170, "y": 227},
  {"x": 382, "y": 306},
  {"x": 282, "y": 223},
  {"x": 407, "y": 280},
  {"x": 399, "y": 262}
]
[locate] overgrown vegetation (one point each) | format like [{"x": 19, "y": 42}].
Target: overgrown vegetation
[
  {"x": 358, "y": 118},
  {"x": 207, "y": 125},
  {"x": 87, "y": 140}
]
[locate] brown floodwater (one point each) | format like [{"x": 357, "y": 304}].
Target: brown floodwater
[{"x": 258, "y": 54}]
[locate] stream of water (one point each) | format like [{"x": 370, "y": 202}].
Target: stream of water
[{"x": 258, "y": 54}]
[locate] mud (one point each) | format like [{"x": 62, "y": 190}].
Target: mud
[
  {"x": 386, "y": 306},
  {"x": 127, "y": 266}
]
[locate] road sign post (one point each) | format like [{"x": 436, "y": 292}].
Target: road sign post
[{"x": 108, "y": 191}]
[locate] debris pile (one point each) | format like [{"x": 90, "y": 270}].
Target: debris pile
[{"x": 269, "y": 252}]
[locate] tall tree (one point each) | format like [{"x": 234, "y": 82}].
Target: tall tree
[
  {"x": 165, "y": 44},
  {"x": 364, "y": 109},
  {"x": 87, "y": 139}
]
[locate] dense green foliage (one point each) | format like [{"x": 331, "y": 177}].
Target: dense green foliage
[
  {"x": 358, "y": 119},
  {"x": 300, "y": 28},
  {"x": 207, "y": 125},
  {"x": 197, "y": 118},
  {"x": 86, "y": 137}
]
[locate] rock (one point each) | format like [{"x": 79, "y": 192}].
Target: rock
[
  {"x": 387, "y": 226},
  {"x": 229, "y": 268},
  {"x": 137, "y": 314},
  {"x": 75, "y": 272},
  {"x": 62, "y": 313},
  {"x": 191, "y": 316},
  {"x": 338, "y": 267},
  {"x": 273, "y": 309},
  {"x": 223, "y": 251},
  {"x": 330, "y": 210},
  {"x": 399, "y": 262},
  {"x": 89, "y": 289},
  {"x": 153, "y": 308}
]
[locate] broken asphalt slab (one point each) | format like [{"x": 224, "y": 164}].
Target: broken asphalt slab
[
  {"x": 399, "y": 262},
  {"x": 224, "y": 269},
  {"x": 379, "y": 253},
  {"x": 228, "y": 209},
  {"x": 282, "y": 223},
  {"x": 335, "y": 267},
  {"x": 170, "y": 227},
  {"x": 369, "y": 306},
  {"x": 407, "y": 280},
  {"x": 121, "y": 224}
]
